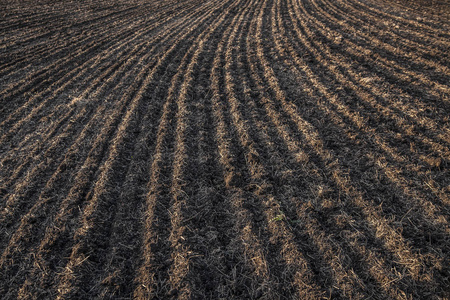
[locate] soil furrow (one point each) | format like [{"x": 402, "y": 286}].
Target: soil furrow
[{"x": 239, "y": 149}]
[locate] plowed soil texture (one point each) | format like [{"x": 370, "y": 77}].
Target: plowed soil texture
[{"x": 224, "y": 149}]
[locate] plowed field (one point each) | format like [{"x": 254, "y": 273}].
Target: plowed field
[{"x": 224, "y": 149}]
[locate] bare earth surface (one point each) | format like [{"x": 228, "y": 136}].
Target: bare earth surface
[{"x": 224, "y": 149}]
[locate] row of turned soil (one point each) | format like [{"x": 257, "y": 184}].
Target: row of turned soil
[{"x": 260, "y": 149}]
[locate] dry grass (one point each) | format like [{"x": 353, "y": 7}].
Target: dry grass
[{"x": 239, "y": 149}]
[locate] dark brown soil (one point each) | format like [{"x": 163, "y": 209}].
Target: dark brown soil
[{"x": 238, "y": 149}]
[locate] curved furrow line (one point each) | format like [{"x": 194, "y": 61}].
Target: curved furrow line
[
  {"x": 379, "y": 44},
  {"x": 87, "y": 15},
  {"x": 296, "y": 264},
  {"x": 19, "y": 197},
  {"x": 30, "y": 109},
  {"x": 145, "y": 283},
  {"x": 26, "y": 21},
  {"x": 38, "y": 174},
  {"x": 352, "y": 134},
  {"x": 83, "y": 69},
  {"x": 124, "y": 36},
  {"x": 73, "y": 17},
  {"x": 84, "y": 14},
  {"x": 121, "y": 69},
  {"x": 58, "y": 127},
  {"x": 113, "y": 281},
  {"x": 53, "y": 235},
  {"x": 424, "y": 11},
  {"x": 52, "y": 31},
  {"x": 241, "y": 149},
  {"x": 122, "y": 85},
  {"x": 119, "y": 86},
  {"x": 83, "y": 178},
  {"x": 342, "y": 278},
  {"x": 424, "y": 24},
  {"x": 102, "y": 37},
  {"x": 74, "y": 41},
  {"x": 87, "y": 241},
  {"x": 380, "y": 227},
  {"x": 213, "y": 262},
  {"x": 391, "y": 50},
  {"x": 382, "y": 276},
  {"x": 177, "y": 258},
  {"x": 342, "y": 9},
  {"x": 128, "y": 39},
  {"x": 102, "y": 88},
  {"x": 378, "y": 141},
  {"x": 249, "y": 244},
  {"x": 165, "y": 111},
  {"x": 114, "y": 276},
  {"x": 304, "y": 208},
  {"x": 181, "y": 257},
  {"x": 436, "y": 39},
  {"x": 359, "y": 121},
  {"x": 389, "y": 112},
  {"x": 378, "y": 106},
  {"x": 181, "y": 252},
  {"x": 24, "y": 13},
  {"x": 436, "y": 78},
  {"x": 27, "y": 58},
  {"x": 60, "y": 18},
  {"x": 96, "y": 94},
  {"x": 115, "y": 15}
]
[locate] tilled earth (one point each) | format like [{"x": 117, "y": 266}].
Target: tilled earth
[{"x": 224, "y": 149}]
